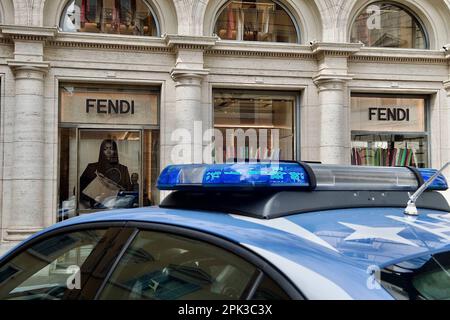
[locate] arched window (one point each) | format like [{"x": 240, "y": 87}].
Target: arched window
[
  {"x": 384, "y": 24},
  {"x": 129, "y": 17},
  {"x": 256, "y": 20}
]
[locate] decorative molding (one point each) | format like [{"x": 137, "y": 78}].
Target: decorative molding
[
  {"x": 398, "y": 55},
  {"x": 108, "y": 46},
  {"x": 27, "y": 33},
  {"x": 252, "y": 53},
  {"x": 335, "y": 49},
  {"x": 19, "y": 66},
  {"x": 260, "y": 49},
  {"x": 398, "y": 59},
  {"x": 190, "y": 42},
  {"x": 193, "y": 76},
  {"x": 6, "y": 41},
  {"x": 447, "y": 87},
  {"x": 334, "y": 82}
]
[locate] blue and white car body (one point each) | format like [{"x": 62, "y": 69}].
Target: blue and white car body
[{"x": 326, "y": 254}]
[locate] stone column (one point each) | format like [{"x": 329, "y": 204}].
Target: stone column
[
  {"x": 331, "y": 81},
  {"x": 188, "y": 74},
  {"x": 27, "y": 209},
  {"x": 334, "y": 129},
  {"x": 25, "y": 213},
  {"x": 188, "y": 116}
]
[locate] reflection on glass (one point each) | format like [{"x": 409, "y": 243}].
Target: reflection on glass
[
  {"x": 387, "y": 25},
  {"x": 110, "y": 172},
  {"x": 160, "y": 266},
  {"x": 255, "y": 20},
  {"x": 130, "y": 17},
  {"x": 421, "y": 278},
  {"x": 266, "y": 121},
  {"x": 105, "y": 183},
  {"x": 43, "y": 271}
]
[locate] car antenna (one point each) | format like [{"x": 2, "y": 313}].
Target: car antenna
[{"x": 411, "y": 209}]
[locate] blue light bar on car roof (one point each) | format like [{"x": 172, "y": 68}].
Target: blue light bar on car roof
[
  {"x": 237, "y": 175},
  {"x": 292, "y": 175}
]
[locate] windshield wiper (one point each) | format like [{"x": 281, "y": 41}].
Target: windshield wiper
[{"x": 411, "y": 209}]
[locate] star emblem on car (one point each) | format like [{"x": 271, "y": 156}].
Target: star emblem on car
[{"x": 364, "y": 232}]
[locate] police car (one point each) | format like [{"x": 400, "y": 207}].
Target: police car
[{"x": 254, "y": 231}]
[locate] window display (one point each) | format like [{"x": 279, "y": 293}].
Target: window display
[
  {"x": 383, "y": 24},
  {"x": 389, "y": 131},
  {"x": 256, "y": 20},
  {"x": 105, "y": 167},
  {"x": 130, "y": 17},
  {"x": 254, "y": 126},
  {"x": 105, "y": 181}
]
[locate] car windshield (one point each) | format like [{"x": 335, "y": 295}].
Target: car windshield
[{"x": 424, "y": 278}]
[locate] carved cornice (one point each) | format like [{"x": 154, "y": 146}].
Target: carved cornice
[
  {"x": 17, "y": 66},
  {"x": 5, "y": 40},
  {"x": 179, "y": 74},
  {"x": 423, "y": 60},
  {"x": 108, "y": 46},
  {"x": 321, "y": 49},
  {"x": 26, "y": 33},
  {"x": 447, "y": 86},
  {"x": 331, "y": 81},
  {"x": 252, "y": 49},
  {"x": 109, "y": 42},
  {"x": 251, "y": 53},
  {"x": 390, "y": 55},
  {"x": 190, "y": 42}
]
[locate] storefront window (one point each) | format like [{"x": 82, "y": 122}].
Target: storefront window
[
  {"x": 109, "y": 143},
  {"x": 384, "y": 24},
  {"x": 129, "y": 17},
  {"x": 254, "y": 126},
  {"x": 256, "y": 20},
  {"x": 389, "y": 131}
]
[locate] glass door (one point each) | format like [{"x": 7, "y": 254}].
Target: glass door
[
  {"x": 102, "y": 169},
  {"x": 109, "y": 169}
]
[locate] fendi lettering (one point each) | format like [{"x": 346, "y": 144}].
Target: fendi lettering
[
  {"x": 389, "y": 114},
  {"x": 105, "y": 106}
]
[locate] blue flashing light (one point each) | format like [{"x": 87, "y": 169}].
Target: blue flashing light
[
  {"x": 439, "y": 184},
  {"x": 291, "y": 175},
  {"x": 236, "y": 175}
]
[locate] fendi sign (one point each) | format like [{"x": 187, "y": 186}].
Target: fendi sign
[
  {"x": 389, "y": 114},
  {"x": 386, "y": 114},
  {"x": 79, "y": 105},
  {"x": 109, "y": 106}
]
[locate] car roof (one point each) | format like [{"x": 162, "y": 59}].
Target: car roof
[{"x": 340, "y": 246}]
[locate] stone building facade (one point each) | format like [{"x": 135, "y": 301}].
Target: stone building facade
[{"x": 338, "y": 91}]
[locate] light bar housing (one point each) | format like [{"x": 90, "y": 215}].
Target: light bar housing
[
  {"x": 295, "y": 176},
  {"x": 236, "y": 175}
]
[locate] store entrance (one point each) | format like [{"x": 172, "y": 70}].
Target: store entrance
[
  {"x": 103, "y": 169},
  {"x": 109, "y": 168}
]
